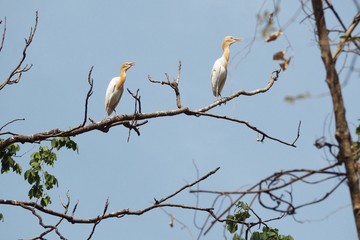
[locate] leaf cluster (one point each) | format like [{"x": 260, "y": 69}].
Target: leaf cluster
[
  {"x": 239, "y": 217},
  {"x": 7, "y": 159},
  {"x": 269, "y": 234},
  {"x": 40, "y": 178},
  {"x": 37, "y": 176},
  {"x": 241, "y": 214}
]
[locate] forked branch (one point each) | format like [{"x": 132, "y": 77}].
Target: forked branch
[
  {"x": 36, "y": 209},
  {"x": 130, "y": 121},
  {"x": 16, "y": 73},
  {"x": 174, "y": 84},
  {"x": 275, "y": 191}
]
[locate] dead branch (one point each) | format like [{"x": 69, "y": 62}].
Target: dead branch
[
  {"x": 95, "y": 224},
  {"x": 19, "y": 70},
  {"x": 342, "y": 131},
  {"x": 174, "y": 219},
  {"x": 90, "y": 92},
  {"x": 174, "y": 84},
  {"x": 347, "y": 34},
  {"x": 125, "y": 120},
  {"x": 137, "y": 100},
  {"x": 36, "y": 209},
  {"x": 10, "y": 122},
  {"x": 273, "y": 78},
  {"x": 3, "y": 34},
  {"x": 271, "y": 185},
  {"x": 134, "y": 125},
  {"x": 49, "y": 228},
  {"x": 187, "y": 186},
  {"x": 264, "y": 135}
]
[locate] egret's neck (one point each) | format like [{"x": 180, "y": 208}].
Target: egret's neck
[
  {"x": 226, "y": 53},
  {"x": 122, "y": 79}
]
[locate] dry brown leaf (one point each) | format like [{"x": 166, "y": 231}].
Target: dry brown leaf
[
  {"x": 279, "y": 55},
  {"x": 284, "y": 65},
  {"x": 273, "y": 36}
]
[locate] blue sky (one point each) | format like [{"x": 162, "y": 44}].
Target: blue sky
[{"x": 73, "y": 36}]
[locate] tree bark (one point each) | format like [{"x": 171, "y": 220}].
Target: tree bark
[{"x": 347, "y": 153}]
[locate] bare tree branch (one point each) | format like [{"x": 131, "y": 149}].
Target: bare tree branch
[
  {"x": 270, "y": 186},
  {"x": 6, "y": 124},
  {"x": 41, "y": 223},
  {"x": 187, "y": 186},
  {"x": 19, "y": 70},
  {"x": 174, "y": 219},
  {"x": 95, "y": 224},
  {"x": 174, "y": 84},
  {"x": 134, "y": 125},
  {"x": 342, "y": 132},
  {"x": 36, "y": 209},
  {"x": 345, "y": 39},
  {"x": 265, "y": 135},
  {"x": 90, "y": 92},
  {"x": 3, "y": 35},
  {"x": 273, "y": 78},
  {"x": 108, "y": 123}
]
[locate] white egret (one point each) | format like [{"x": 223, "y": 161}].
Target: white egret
[
  {"x": 219, "y": 71},
  {"x": 116, "y": 88}
]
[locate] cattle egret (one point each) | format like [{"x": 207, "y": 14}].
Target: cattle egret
[
  {"x": 219, "y": 71},
  {"x": 116, "y": 88}
]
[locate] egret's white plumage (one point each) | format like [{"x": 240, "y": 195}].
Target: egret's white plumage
[
  {"x": 218, "y": 76},
  {"x": 115, "y": 88},
  {"x": 113, "y": 95},
  {"x": 219, "y": 70}
]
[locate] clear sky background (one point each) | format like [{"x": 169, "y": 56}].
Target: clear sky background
[{"x": 72, "y": 36}]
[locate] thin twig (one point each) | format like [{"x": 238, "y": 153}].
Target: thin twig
[
  {"x": 18, "y": 119},
  {"x": 174, "y": 219},
  {"x": 137, "y": 110},
  {"x": 118, "y": 214},
  {"x": 3, "y": 35},
  {"x": 174, "y": 84},
  {"x": 95, "y": 224},
  {"x": 19, "y": 70},
  {"x": 249, "y": 126},
  {"x": 90, "y": 92},
  {"x": 346, "y": 37},
  {"x": 187, "y": 186},
  {"x": 270, "y": 182}
]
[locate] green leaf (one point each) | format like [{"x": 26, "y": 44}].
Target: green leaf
[
  {"x": 32, "y": 176},
  {"x": 288, "y": 238},
  {"x": 241, "y": 216},
  {"x": 242, "y": 205},
  {"x": 60, "y": 142},
  {"x": 236, "y": 237},
  {"x": 255, "y": 236},
  {"x": 231, "y": 224},
  {"x": 35, "y": 164},
  {"x": 50, "y": 180},
  {"x": 37, "y": 176},
  {"x": 7, "y": 161},
  {"x": 36, "y": 191},
  {"x": 45, "y": 201},
  {"x": 17, "y": 168}
]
